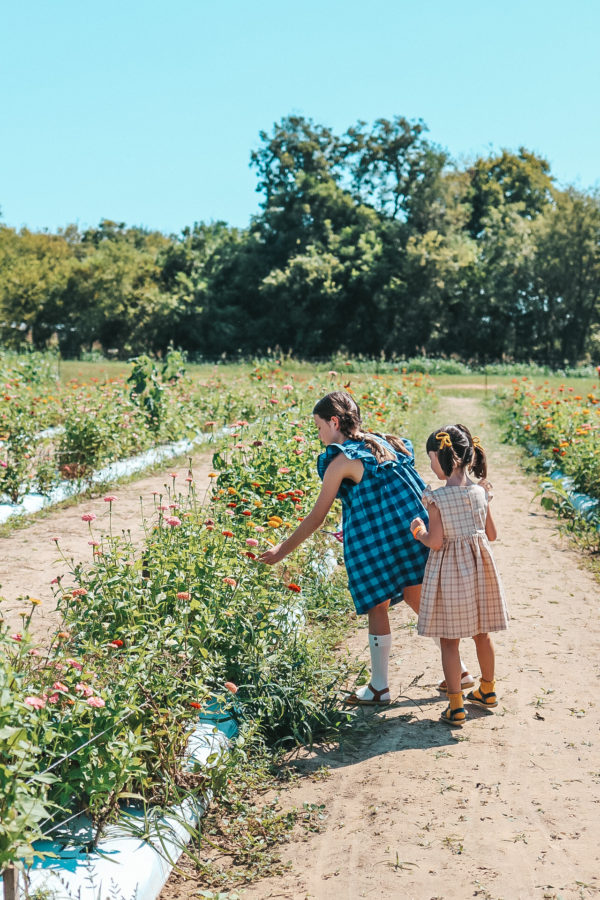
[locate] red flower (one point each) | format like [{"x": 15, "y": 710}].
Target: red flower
[
  {"x": 295, "y": 588},
  {"x": 183, "y": 595},
  {"x": 195, "y": 705},
  {"x": 227, "y": 534},
  {"x": 116, "y": 643}
]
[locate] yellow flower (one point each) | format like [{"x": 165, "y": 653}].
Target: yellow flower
[{"x": 34, "y": 601}]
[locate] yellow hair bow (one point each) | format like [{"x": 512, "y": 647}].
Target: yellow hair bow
[
  {"x": 444, "y": 438},
  {"x": 477, "y": 443}
]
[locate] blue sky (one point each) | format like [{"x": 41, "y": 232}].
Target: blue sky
[{"x": 146, "y": 112}]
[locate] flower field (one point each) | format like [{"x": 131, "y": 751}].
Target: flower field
[
  {"x": 98, "y": 715},
  {"x": 561, "y": 426}
]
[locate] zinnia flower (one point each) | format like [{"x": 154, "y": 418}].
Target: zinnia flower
[
  {"x": 227, "y": 534},
  {"x": 252, "y": 542},
  {"x": 295, "y": 588},
  {"x": 98, "y": 702},
  {"x": 88, "y": 517},
  {"x": 195, "y": 705},
  {"x": 231, "y": 687},
  {"x": 173, "y": 521},
  {"x": 183, "y": 595},
  {"x": 110, "y": 499},
  {"x": 230, "y": 581},
  {"x": 35, "y": 702},
  {"x": 84, "y": 689}
]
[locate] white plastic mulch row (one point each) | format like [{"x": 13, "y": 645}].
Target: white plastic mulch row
[
  {"x": 125, "y": 866},
  {"x": 120, "y": 469}
]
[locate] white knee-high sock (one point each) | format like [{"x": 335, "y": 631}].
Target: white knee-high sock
[
  {"x": 463, "y": 667},
  {"x": 379, "y": 646}
]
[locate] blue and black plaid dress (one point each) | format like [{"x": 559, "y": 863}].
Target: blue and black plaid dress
[{"x": 380, "y": 553}]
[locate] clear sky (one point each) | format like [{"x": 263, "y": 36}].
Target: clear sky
[{"x": 146, "y": 112}]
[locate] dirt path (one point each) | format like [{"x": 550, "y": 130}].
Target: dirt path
[
  {"x": 29, "y": 558},
  {"x": 509, "y": 806}
]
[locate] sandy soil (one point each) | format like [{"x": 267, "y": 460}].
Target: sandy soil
[
  {"x": 29, "y": 558},
  {"x": 507, "y": 807}
]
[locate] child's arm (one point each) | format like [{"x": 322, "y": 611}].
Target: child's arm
[
  {"x": 490, "y": 526},
  {"x": 434, "y": 537},
  {"x": 338, "y": 469}
]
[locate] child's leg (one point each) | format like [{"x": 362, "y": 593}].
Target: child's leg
[
  {"x": 486, "y": 656},
  {"x": 485, "y": 694},
  {"x": 466, "y": 679},
  {"x": 412, "y": 596},
  {"x": 380, "y": 643},
  {"x": 454, "y": 714},
  {"x": 451, "y": 664}
]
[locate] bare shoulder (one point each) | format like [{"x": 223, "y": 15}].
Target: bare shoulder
[{"x": 342, "y": 467}]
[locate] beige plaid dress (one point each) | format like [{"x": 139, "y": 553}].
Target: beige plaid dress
[{"x": 462, "y": 595}]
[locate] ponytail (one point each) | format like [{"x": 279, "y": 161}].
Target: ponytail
[{"x": 456, "y": 448}]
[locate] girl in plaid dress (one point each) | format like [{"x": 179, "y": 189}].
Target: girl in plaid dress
[
  {"x": 462, "y": 595},
  {"x": 376, "y": 480}
]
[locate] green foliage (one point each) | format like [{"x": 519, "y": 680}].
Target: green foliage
[
  {"x": 190, "y": 624},
  {"x": 368, "y": 241}
]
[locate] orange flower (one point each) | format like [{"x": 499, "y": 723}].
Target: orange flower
[
  {"x": 231, "y": 687},
  {"x": 295, "y": 588}
]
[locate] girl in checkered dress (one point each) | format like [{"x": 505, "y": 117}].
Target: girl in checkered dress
[
  {"x": 462, "y": 595},
  {"x": 376, "y": 480}
]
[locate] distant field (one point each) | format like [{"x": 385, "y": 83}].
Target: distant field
[{"x": 458, "y": 384}]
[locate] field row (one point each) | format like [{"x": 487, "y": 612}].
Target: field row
[{"x": 99, "y": 715}]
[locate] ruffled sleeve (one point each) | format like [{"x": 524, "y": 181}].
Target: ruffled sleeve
[
  {"x": 330, "y": 452},
  {"x": 428, "y": 498}
]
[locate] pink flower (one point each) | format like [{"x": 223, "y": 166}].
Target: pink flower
[
  {"x": 84, "y": 689},
  {"x": 183, "y": 595},
  {"x": 56, "y": 540},
  {"x": 98, "y": 702},
  {"x": 79, "y": 592},
  {"x": 173, "y": 521},
  {"x": 93, "y": 543},
  {"x": 54, "y": 581},
  {"x": 59, "y": 686},
  {"x": 88, "y": 517},
  {"x": 283, "y": 470},
  {"x": 35, "y": 652},
  {"x": 230, "y": 581},
  {"x": 75, "y": 664},
  {"x": 252, "y": 542},
  {"x": 35, "y": 702},
  {"x": 110, "y": 499},
  {"x": 17, "y": 637},
  {"x": 287, "y": 387},
  {"x": 259, "y": 528},
  {"x": 332, "y": 373},
  {"x": 53, "y": 699}
]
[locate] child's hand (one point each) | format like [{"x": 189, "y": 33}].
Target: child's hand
[
  {"x": 488, "y": 488},
  {"x": 272, "y": 556},
  {"x": 417, "y": 527}
]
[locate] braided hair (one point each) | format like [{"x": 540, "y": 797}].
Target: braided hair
[
  {"x": 455, "y": 447},
  {"x": 345, "y": 407}
]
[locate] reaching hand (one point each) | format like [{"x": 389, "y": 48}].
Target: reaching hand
[{"x": 272, "y": 556}]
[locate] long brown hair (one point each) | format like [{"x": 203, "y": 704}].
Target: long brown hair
[
  {"x": 345, "y": 407},
  {"x": 459, "y": 448}
]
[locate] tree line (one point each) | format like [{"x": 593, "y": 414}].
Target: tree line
[{"x": 373, "y": 241}]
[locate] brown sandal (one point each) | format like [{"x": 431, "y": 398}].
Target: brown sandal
[{"x": 354, "y": 700}]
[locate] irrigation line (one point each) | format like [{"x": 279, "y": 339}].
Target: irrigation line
[{"x": 86, "y": 743}]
